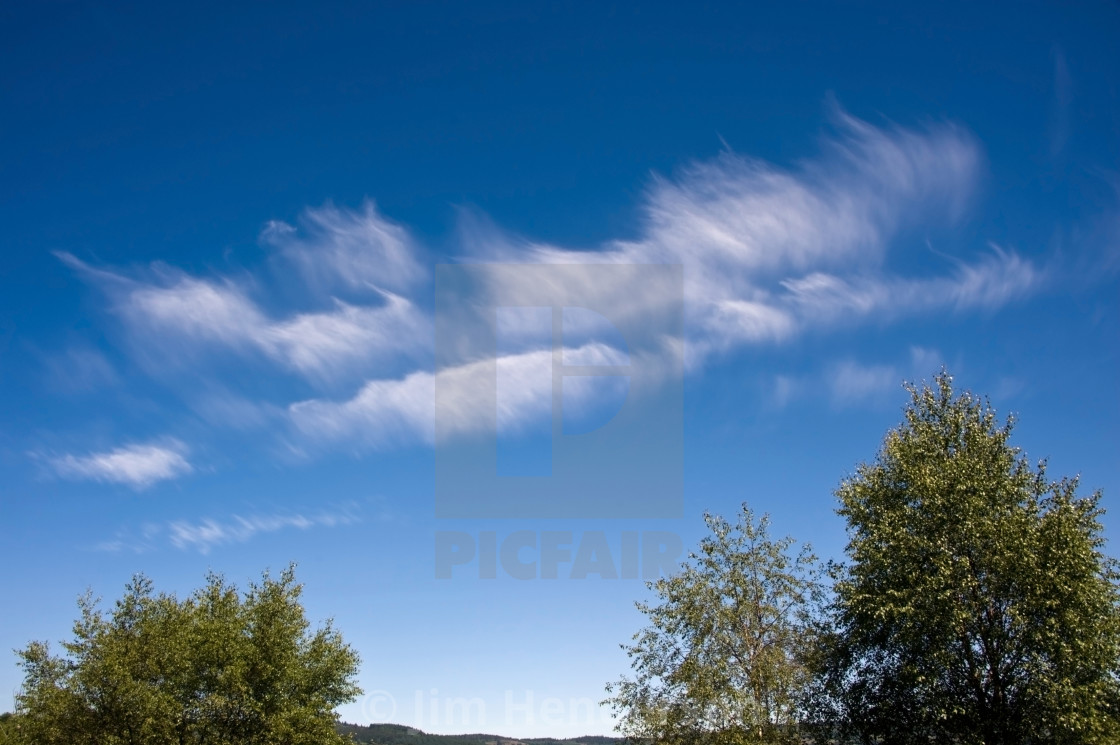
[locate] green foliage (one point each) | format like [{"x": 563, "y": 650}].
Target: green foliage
[
  {"x": 976, "y": 605},
  {"x": 721, "y": 662},
  {"x": 9, "y": 728},
  {"x": 215, "y": 668}
]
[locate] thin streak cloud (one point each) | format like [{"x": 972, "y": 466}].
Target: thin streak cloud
[
  {"x": 138, "y": 466},
  {"x": 203, "y": 535}
]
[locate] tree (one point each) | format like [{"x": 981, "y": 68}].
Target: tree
[
  {"x": 217, "y": 667},
  {"x": 721, "y": 662},
  {"x": 976, "y": 605},
  {"x": 9, "y": 728}
]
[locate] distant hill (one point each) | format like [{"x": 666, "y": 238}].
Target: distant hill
[{"x": 398, "y": 734}]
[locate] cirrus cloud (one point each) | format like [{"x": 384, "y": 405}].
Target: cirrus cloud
[
  {"x": 770, "y": 253},
  {"x": 138, "y": 466}
]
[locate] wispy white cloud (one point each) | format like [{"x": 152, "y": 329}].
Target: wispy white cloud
[
  {"x": 223, "y": 408},
  {"x": 851, "y": 382},
  {"x": 386, "y": 413},
  {"x": 382, "y": 414},
  {"x": 313, "y": 344},
  {"x": 205, "y": 534},
  {"x": 785, "y": 389},
  {"x": 355, "y": 249},
  {"x": 178, "y": 313},
  {"x": 733, "y": 323},
  {"x": 138, "y": 466},
  {"x": 991, "y": 282},
  {"x": 770, "y": 253}
]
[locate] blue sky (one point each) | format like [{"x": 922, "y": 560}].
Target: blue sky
[{"x": 222, "y": 227}]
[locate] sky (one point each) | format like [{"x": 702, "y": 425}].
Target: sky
[{"x": 264, "y": 299}]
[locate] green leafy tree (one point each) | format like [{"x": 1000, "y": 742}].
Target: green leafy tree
[
  {"x": 976, "y": 605},
  {"x": 9, "y": 728},
  {"x": 721, "y": 662},
  {"x": 217, "y": 667}
]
